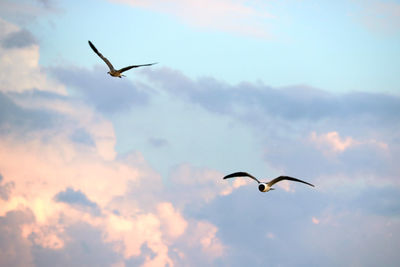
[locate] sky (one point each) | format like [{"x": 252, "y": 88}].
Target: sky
[{"x": 102, "y": 171}]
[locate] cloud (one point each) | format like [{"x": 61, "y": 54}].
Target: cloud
[
  {"x": 225, "y": 15},
  {"x": 380, "y": 16},
  {"x": 5, "y": 189},
  {"x": 347, "y": 144},
  {"x": 77, "y": 198},
  {"x": 315, "y": 220},
  {"x": 84, "y": 246},
  {"x": 196, "y": 186},
  {"x": 23, "y": 119},
  {"x": 158, "y": 142},
  {"x": 82, "y": 197},
  {"x": 379, "y": 235},
  {"x": 19, "y": 55},
  {"x": 94, "y": 87},
  {"x": 353, "y": 133},
  {"x": 333, "y": 141},
  {"x": 19, "y": 39},
  {"x": 25, "y": 12},
  {"x": 253, "y": 101},
  {"x": 14, "y": 249}
]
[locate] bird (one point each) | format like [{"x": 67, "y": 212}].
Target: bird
[
  {"x": 113, "y": 72},
  {"x": 265, "y": 186}
]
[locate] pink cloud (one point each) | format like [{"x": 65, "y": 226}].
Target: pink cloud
[
  {"x": 315, "y": 220},
  {"x": 205, "y": 235},
  {"x": 172, "y": 221},
  {"x": 48, "y": 162},
  {"x": 332, "y": 143}
]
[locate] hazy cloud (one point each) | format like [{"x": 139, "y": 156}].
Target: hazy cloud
[
  {"x": 380, "y": 16},
  {"x": 107, "y": 94},
  {"x": 23, "y": 119},
  {"x": 158, "y": 142},
  {"x": 233, "y": 16},
  {"x": 15, "y": 249},
  {"x": 19, "y": 39},
  {"x": 5, "y": 189}
]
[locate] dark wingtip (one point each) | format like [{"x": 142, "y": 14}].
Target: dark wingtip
[
  {"x": 91, "y": 45},
  {"x": 228, "y": 176}
]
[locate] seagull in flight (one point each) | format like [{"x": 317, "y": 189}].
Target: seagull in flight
[
  {"x": 113, "y": 72},
  {"x": 262, "y": 186}
]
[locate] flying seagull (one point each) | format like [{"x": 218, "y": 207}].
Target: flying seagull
[
  {"x": 113, "y": 72},
  {"x": 262, "y": 186}
]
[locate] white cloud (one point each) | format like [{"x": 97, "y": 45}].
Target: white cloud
[{"x": 20, "y": 66}]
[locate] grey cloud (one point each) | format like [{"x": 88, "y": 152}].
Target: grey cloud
[
  {"x": 298, "y": 156},
  {"x": 46, "y": 3},
  {"x": 106, "y": 93},
  {"x": 285, "y": 117},
  {"x": 282, "y": 221},
  {"x": 14, "y": 249},
  {"x": 291, "y": 103},
  {"x": 5, "y": 189},
  {"x": 145, "y": 253},
  {"x": 82, "y": 136},
  {"x": 25, "y": 12},
  {"x": 78, "y": 199},
  {"x": 19, "y": 39},
  {"x": 23, "y": 119},
  {"x": 380, "y": 201},
  {"x": 83, "y": 247},
  {"x": 158, "y": 142}
]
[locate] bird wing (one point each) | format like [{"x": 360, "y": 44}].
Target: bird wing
[
  {"x": 101, "y": 56},
  {"x": 134, "y": 66},
  {"x": 241, "y": 174},
  {"x": 280, "y": 178}
]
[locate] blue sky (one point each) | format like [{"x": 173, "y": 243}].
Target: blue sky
[{"x": 101, "y": 171}]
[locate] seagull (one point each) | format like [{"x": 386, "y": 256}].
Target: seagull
[
  {"x": 262, "y": 186},
  {"x": 113, "y": 72}
]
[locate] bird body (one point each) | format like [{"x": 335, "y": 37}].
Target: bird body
[
  {"x": 265, "y": 186},
  {"x": 113, "y": 72}
]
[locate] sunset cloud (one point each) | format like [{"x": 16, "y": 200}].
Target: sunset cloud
[{"x": 101, "y": 171}]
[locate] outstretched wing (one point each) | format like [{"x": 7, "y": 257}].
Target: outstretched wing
[
  {"x": 134, "y": 66},
  {"x": 101, "y": 56},
  {"x": 280, "y": 178},
  {"x": 241, "y": 174}
]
